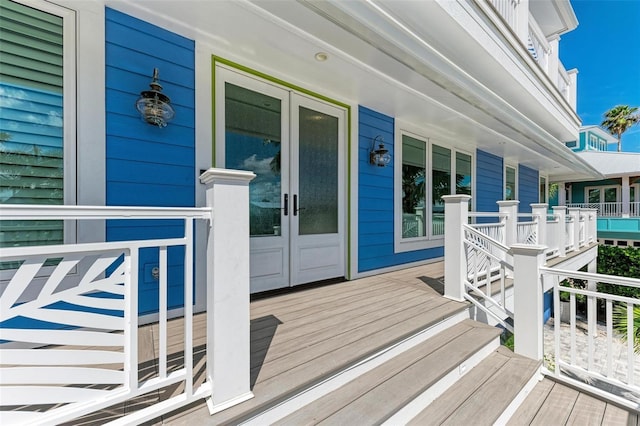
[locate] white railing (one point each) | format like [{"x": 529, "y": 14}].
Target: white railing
[
  {"x": 564, "y": 82},
  {"x": 538, "y": 45},
  {"x": 589, "y": 349},
  {"x": 493, "y": 230},
  {"x": 569, "y": 234},
  {"x": 88, "y": 298},
  {"x": 611, "y": 209},
  {"x": 634, "y": 208},
  {"x": 582, "y": 231},
  {"x": 507, "y": 10},
  {"x": 554, "y": 231},
  {"x": 527, "y": 231},
  {"x": 69, "y": 313},
  {"x": 486, "y": 261}
]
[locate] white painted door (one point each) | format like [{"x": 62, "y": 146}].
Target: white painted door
[
  {"x": 317, "y": 188},
  {"x": 295, "y": 145}
]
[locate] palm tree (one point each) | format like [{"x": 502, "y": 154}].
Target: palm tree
[{"x": 618, "y": 120}]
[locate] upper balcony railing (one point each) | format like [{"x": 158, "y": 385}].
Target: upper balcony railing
[{"x": 544, "y": 50}]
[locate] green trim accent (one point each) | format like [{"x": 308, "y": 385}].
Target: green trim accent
[{"x": 218, "y": 59}]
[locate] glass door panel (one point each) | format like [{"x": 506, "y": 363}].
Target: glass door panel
[
  {"x": 318, "y": 181},
  {"x": 253, "y": 142},
  {"x": 610, "y": 195}
]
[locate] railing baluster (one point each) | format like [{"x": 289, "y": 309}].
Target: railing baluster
[
  {"x": 630, "y": 342},
  {"x": 591, "y": 329},
  {"x": 609, "y": 319},
  {"x": 572, "y": 304},
  {"x": 188, "y": 305},
  {"x": 162, "y": 311}
]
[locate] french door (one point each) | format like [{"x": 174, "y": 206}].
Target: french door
[{"x": 295, "y": 145}]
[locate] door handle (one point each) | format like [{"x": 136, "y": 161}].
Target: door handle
[
  {"x": 286, "y": 204},
  {"x": 295, "y": 205}
]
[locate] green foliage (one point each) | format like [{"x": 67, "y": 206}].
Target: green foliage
[
  {"x": 620, "y": 261},
  {"x": 619, "y": 119},
  {"x": 507, "y": 339},
  {"x": 620, "y": 324}
]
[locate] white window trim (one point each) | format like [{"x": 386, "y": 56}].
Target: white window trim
[
  {"x": 602, "y": 189},
  {"x": 84, "y": 158},
  {"x": 402, "y": 245},
  {"x": 504, "y": 181},
  {"x": 546, "y": 188}
]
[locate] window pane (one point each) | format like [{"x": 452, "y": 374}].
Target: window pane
[
  {"x": 441, "y": 172},
  {"x": 252, "y": 142},
  {"x": 610, "y": 195},
  {"x": 31, "y": 120},
  {"x": 318, "y": 159},
  {"x": 510, "y": 184},
  {"x": 594, "y": 195},
  {"x": 463, "y": 174},
  {"x": 413, "y": 187},
  {"x": 543, "y": 190}
]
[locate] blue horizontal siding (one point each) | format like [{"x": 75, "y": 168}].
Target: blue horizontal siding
[
  {"x": 528, "y": 188},
  {"x": 146, "y": 165},
  {"x": 375, "y": 200},
  {"x": 489, "y": 181}
]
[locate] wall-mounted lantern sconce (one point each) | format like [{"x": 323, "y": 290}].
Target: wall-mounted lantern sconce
[
  {"x": 153, "y": 105},
  {"x": 379, "y": 157}
]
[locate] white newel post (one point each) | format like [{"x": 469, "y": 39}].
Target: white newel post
[
  {"x": 510, "y": 207},
  {"x": 626, "y": 196},
  {"x": 228, "y": 353},
  {"x": 528, "y": 300},
  {"x": 574, "y": 212},
  {"x": 592, "y": 214},
  {"x": 456, "y": 213},
  {"x": 540, "y": 210},
  {"x": 561, "y": 212}
]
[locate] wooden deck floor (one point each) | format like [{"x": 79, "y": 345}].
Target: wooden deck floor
[
  {"x": 552, "y": 403},
  {"x": 300, "y": 338}
]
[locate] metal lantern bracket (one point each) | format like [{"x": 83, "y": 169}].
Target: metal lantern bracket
[{"x": 153, "y": 105}]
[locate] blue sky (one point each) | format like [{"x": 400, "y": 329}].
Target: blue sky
[{"x": 605, "y": 48}]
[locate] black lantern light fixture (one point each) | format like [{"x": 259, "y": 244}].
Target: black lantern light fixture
[
  {"x": 379, "y": 157},
  {"x": 153, "y": 105}
]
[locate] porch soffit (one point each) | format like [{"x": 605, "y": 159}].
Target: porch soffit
[
  {"x": 280, "y": 38},
  {"x": 402, "y": 54}
]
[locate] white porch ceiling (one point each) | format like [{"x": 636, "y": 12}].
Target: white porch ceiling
[{"x": 370, "y": 63}]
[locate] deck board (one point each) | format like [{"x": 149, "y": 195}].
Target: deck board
[
  {"x": 587, "y": 411},
  {"x": 446, "y": 405}
]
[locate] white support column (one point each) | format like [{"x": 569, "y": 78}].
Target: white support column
[
  {"x": 561, "y": 212},
  {"x": 522, "y": 21},
  {"x": 574, "y": 212},
  {"x": 510, "y": 207},
  {"x": 562, "y": 194},
  {"x": 527, "y": 300},
  {"x": 626, "y": 196},
  {"x": 573, "y": 88},
  {"x": 554, "y": 46},
  {"x": 228, "y": 336},
  {"x": 456, "y": 213},
  {"x": 593, "y": 225},
  {"x": 540, "y": 210}
]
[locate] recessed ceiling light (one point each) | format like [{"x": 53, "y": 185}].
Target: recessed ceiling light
[{"x": 321, "y": 56}]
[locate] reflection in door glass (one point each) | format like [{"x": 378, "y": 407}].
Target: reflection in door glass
[
  {"x": 594, "y": 195},
  {"x": 318, "y": 173},
  {"x": 252, "y": 142},
  {"x": 610, "y": 195}
]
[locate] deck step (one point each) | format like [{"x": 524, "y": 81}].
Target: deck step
[
  {"x": 485, "y": 393},
  {"x": 376, "y": 395}
]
